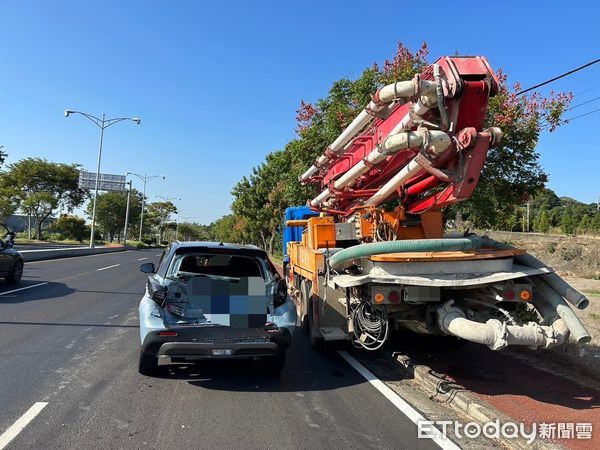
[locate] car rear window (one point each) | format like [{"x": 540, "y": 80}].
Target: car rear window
[{"x": 233, "y": 266}]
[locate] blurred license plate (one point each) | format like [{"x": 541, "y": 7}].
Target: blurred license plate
[{"x": 222, "y": 352}]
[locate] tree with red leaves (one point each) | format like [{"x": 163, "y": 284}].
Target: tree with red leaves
[{"x": 511, "y": 170}]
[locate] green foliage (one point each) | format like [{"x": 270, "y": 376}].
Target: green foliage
[
  {"x": 158, "y": 214},
  {"x": 110, "y": 211},
  {"x": 512, "y": 170},
  {"x": 70, "y": 227},
  {"x": 42, "y": 186}
]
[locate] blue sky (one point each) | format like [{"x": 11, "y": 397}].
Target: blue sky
[{"x": 217, "y": 83}]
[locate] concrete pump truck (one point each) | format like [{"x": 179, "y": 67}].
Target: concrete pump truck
[{"x": 368, "y": 255}]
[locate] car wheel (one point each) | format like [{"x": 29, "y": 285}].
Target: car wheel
[
  {"x": 273, "y": 364},
  {"x": 148, "y": 364},
  {"x": 16, "y": 273}
]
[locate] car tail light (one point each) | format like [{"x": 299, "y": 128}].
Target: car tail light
[
  {"x": 167, "y": 333},
  {"x": 394, "y": 296}
]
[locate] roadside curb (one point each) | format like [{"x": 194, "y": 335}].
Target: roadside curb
[
  {"x": 57, "y": 253},
  {"x": 443, "y": 390}
]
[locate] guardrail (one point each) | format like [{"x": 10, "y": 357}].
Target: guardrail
[{"x": 55, "y": 253}]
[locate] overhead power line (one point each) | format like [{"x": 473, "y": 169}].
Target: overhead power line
[
  {"x": 568, "y": 119},
  {"x": 558, "y": 77}
]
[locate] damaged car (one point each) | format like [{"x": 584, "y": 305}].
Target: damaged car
[{"x": 214, "y": 301}]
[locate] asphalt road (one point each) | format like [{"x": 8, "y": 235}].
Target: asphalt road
[{"x": 73, "y": 342}]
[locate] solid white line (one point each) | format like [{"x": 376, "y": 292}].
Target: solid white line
[
  {"x": 21, "y": 423},
  {"x": 23, "y": 288},
  {"x": 410, "y": 412},
  {"x": 108, "y": 267},
  {"x": 141, "y": 259}
]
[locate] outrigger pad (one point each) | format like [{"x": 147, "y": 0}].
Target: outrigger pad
[{"x": 236, "y": 304}]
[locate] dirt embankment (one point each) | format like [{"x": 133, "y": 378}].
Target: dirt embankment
[{"x": 577, "y": 260}]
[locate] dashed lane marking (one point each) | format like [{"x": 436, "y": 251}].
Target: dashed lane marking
[
  {"x": 21, "y": 423},
  {"x": 78, "y": 257},
  {"x": 108, "y": 267},
  {"x": 22, "y": 289},
  {"x": 141, "y": 259},
  {"x": 410, "y": 412}
]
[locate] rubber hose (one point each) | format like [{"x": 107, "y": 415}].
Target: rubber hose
[{"x": 404, "y": 246}]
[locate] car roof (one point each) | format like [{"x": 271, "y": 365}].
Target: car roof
[{"x": 215, "y": 245}]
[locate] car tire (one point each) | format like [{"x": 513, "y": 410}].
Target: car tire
[
  {"x": 16, "y": 273},
  {"x": 273, "y": 364},
  {"x": 148, "y": 364}
]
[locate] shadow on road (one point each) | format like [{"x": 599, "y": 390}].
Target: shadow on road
[
  {"x": 305, "y": 370},
  {"x": 51, "y": 289}
]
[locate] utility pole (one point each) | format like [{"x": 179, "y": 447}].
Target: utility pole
[
  {"x": 528, "y": 215},
  {"x": 144, "y": 178},
  {"x": 127, "y": 214},
  {"x": 103, "y": 124}
]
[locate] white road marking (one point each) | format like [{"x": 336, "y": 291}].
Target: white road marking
[
  {"x": 108, "y": 267},
  {"x": 23, "y": 288},
  {"x": 160, "y": 254},
  {"x": 21, "y": 423},
  {"x": 112, "y": 317},
  {"x": 410, "y": 412},
  {"x": 78, "y": 257},
  {"x": 141, "y": 259}
]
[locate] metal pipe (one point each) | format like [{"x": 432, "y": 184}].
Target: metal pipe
[
  {"x": 127, "y": 215},
  {"x": 496, "y": 334},
  {"x": 97, "y": 181},
  {"x": 424, "y": 89},
  {"x": 558, "y": 304},
  {"x": 438, "y": 141},
  {"x": 571, "y": 294}
]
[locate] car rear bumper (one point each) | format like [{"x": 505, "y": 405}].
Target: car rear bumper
[{"x": 215, "y": 343}]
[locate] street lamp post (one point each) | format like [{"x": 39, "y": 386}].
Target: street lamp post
[
  {"x": 127, "y": 214},
  {"x": 103, "y": 124},
  {"x": 145, "y": 178}
]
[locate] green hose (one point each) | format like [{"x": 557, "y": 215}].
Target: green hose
[{"x": 404, "y": 246}]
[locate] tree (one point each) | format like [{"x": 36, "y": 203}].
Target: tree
[
  {"x": 111, "y": 209},
  {"x": 512, "y": 169},
  {"x": 70, "y": 227},
  {"x": 585, "y": 224},
  {"x": 596, "y": 222},
  {"x": 229, "y": 228},
  {"x": 158, "y": 214},
  {"x": 542, "y": 224},
  {"x": 44, "y": 186},
  {"x": 568, "y": 222}
]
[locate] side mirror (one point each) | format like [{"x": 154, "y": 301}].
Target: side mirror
[{"x": 147, "y": 268}]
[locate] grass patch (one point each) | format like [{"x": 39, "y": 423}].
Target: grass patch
[
  {"x": 593, "y": 292},
  {"x": 595, "y": 316}
]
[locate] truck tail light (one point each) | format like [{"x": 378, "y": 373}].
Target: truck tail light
[
  {"x": 509, "y": 294},
  {"x": 379, "y": 297},
  {"x": 525, "y": 295},
  {"x": 394, "y": 297}
]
